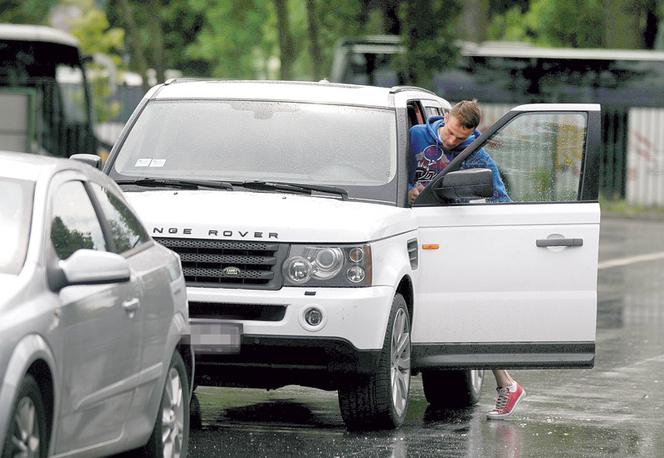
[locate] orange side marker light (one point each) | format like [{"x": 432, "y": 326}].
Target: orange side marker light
[{"x": 430, "y": 246}]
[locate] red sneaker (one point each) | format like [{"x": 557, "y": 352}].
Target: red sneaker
[{"x": 506, "y": 402}]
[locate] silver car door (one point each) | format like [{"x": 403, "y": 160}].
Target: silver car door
[
  {"x": 100, "y": 332},
  {"x": 153, "y": 266}
]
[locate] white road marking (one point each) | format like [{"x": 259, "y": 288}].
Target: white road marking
[{"x": 620, "y": 262}]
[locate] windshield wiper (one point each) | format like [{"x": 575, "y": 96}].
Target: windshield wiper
[
  {"x": 175, "y": 183},
  {"x": 294, "y": 187}
]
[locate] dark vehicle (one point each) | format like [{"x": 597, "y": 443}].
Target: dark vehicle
[{"x": 45, "y": 104}]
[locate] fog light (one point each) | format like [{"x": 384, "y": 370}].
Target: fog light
[
  {"x": 356, "y": 274},
  {"x": 313, "y": 317}
]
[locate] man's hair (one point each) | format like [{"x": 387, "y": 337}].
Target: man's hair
[{"x": 467, "y": 112}]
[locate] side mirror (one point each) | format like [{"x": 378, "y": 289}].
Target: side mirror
[
  {"x": 91, "y": 159},
  {"x": 465, "y": 184},
  {"x": 91, "y": 267}
]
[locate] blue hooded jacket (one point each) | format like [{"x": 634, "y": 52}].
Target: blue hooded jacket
[{"x": 427, "y": 157}]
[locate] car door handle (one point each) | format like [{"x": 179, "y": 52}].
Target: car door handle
[
  {"x": 131, "y": 305},
  {"x": 545, "y": 243}
]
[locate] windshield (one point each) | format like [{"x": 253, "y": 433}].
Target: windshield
[
  {"x": 268, "y": 141},
  {"x": 15, "y": 215}
]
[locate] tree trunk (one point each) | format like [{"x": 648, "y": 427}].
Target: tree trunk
[
  {"x": 286, "y": 50},
  {"x": 652, "y": 24},
  {"x": 363, "y": 18},
  {"x": 621, "y": 29},
  {"x": 314, "y": 44},
  {"x": 156, "y": 40},
  {"x": 136, "y": 50},
  {"x": 392, "y": 25},
  {"x": 474, "y": 20}
]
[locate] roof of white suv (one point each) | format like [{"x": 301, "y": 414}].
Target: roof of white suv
[{"x": 296, "y": 91}]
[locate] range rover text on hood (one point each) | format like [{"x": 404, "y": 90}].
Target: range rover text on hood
[{"x": 214, "y": 233}]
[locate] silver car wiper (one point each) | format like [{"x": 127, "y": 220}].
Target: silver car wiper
[
  {"x": 176, "y": 183},
  {"x": 293, "y": 187}
]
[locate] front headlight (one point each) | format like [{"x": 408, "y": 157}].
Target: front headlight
[{"x": 316, "y": 265}]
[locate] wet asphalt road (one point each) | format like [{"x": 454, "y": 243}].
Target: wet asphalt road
[{"x": 615, "y": 409}]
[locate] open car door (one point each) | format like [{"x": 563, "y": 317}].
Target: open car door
[{"x": 507, "y": 285}]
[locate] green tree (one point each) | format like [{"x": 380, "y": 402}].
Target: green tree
[
  {"x": 238, "y": 40},
  {"x": 429, "y": 35},
  {"x": 96, "y": 36},
  {"x": 589, "y": 24},
  {"x": 26, "y": 11},
  {"x": 158, "y": 33}
]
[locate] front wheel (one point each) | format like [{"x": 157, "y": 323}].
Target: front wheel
[
  {"x": 380, "y": 401},
  {"x": 452, "y": 388},
  {"x": 170, "y": 436},
  {"x": 27, "y": 434}
]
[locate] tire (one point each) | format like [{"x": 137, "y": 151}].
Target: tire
[
  {"x": 27, "y": 425},
  {"x": 380, "y": 401},
  {"x": 170, "y": 436},
  {"x": 452, "y": 388}
]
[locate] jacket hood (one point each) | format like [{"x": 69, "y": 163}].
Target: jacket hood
[{"x": 436, "y": 122}]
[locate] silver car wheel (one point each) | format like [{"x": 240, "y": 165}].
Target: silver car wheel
[
  {"x": 400, "y": 355},
  {"x": 172, "y": 415},
  {"x": 26, "y": 434}
]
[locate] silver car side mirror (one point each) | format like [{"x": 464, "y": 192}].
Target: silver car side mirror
[
  {"x": 91, "y": 159},
  {"x": 91, "y": 267}
]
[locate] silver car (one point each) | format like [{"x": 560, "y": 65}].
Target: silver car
[{"x": 94, "y": 354}]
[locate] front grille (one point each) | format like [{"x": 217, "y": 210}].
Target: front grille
[
  {"x": 257, "y": 312},
  {"x": 228, "y": 263}
]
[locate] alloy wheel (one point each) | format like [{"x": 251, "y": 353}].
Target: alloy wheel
[
  {"x": 172, "y": 415},
  {"x": 400, "y": 367}
]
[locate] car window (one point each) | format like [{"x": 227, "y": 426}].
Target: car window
[
  {"x": 539, "y": 156},
  {"x": 433, "y": 111},
  {"x": 15, "y": 216},
  {"x": 74, "y": 224},
  {"x": 126, "y": 230},
  {"x": 253, "y": 140}
]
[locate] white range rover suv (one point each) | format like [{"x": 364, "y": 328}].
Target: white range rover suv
[{"x": 304, "y": 264}]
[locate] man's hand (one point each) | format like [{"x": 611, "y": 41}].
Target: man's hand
[{"x": 413, "y": 193}]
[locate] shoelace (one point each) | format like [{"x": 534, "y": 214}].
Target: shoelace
[{"x": 503, "y": 396}]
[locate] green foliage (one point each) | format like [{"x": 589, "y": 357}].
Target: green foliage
[
  {"x": 429, "y": 35},
  {"x": 94, "y": 31},
  {"x": 558, "y": 23},
  {"x": 95, "y": 36},
  {"x": 26, "y": 11},
  {"x": 237, "y": 39},
  {"x": 240, "y": 40}
]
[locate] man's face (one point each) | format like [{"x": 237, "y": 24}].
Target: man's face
[{"x": 452, "y": 134}]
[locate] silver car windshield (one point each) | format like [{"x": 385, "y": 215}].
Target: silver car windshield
[
  {"x": 15, "y": 217},
  {"x": 267, "y": 141}
]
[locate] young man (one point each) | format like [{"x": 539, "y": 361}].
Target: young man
[{"x": 432, "y": 146}]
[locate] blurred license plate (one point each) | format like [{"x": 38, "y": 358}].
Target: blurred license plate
[{"x": 209, "y": 337}]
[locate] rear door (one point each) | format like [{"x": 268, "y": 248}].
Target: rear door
[{"x": 514, "y": 284}]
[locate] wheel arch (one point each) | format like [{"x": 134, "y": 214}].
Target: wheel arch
[
  {"x": 186, "y": 351},
  {"x": 32, "y": 355},
  {"x": 405, "y": 288},
  {"x": 42, "y": 374}
]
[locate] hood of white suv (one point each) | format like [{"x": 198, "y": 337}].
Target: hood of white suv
[{"x": 238, "y": 215}]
